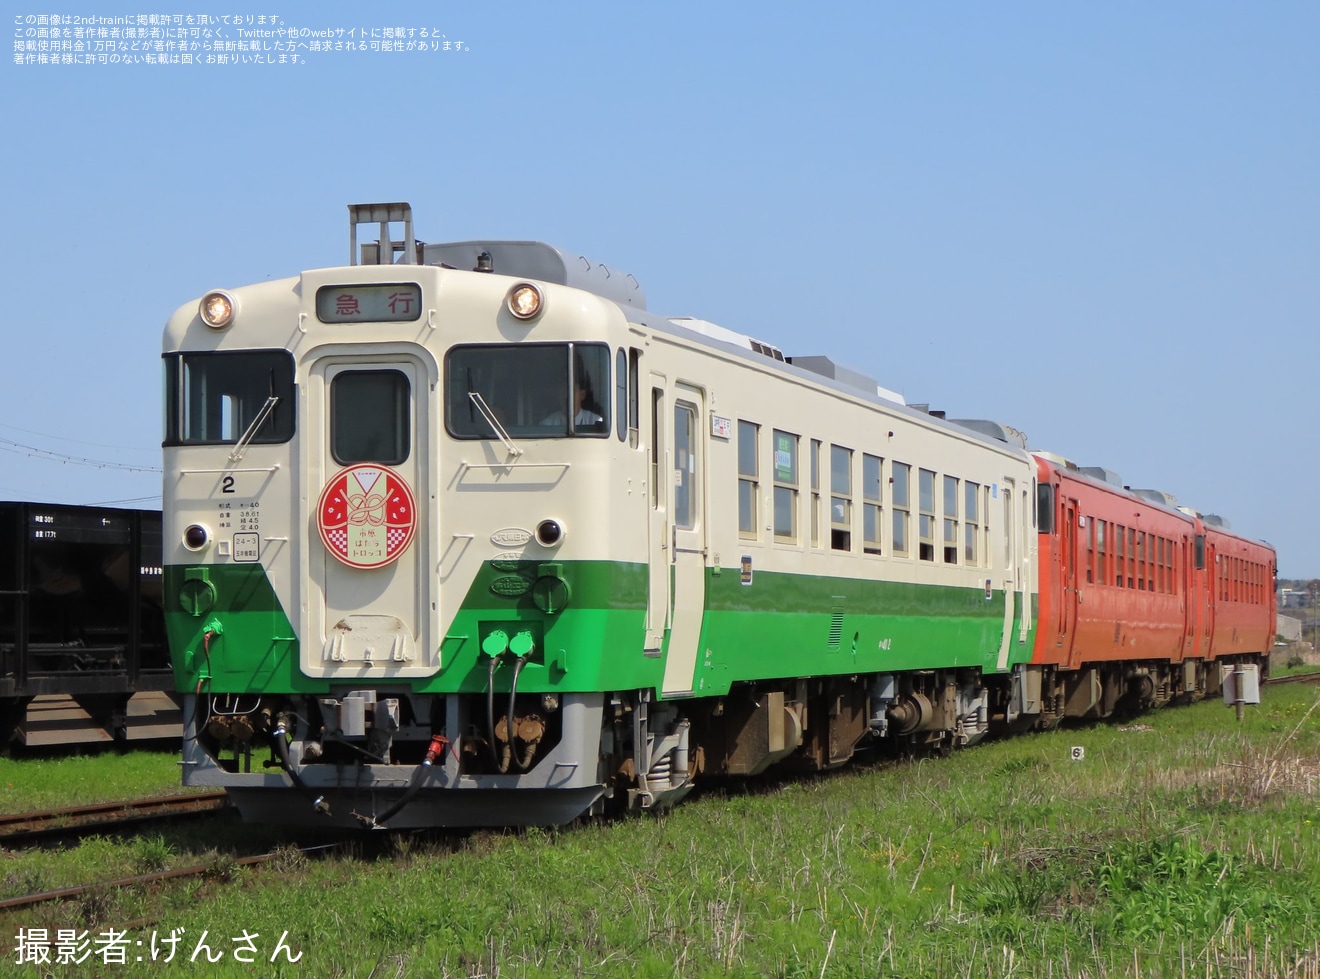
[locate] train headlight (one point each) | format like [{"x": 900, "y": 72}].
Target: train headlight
[
  {"x": 549, "y": 533},
  {"x": 524, "y": 301},
  {"x": 195, "y": 537},
  {"x": 217, "y": 309}
]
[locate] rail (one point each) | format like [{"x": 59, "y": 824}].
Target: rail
[{"x": 28, "y": 826}]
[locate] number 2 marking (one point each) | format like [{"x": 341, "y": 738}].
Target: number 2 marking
[{"x": 227, "y": 484}]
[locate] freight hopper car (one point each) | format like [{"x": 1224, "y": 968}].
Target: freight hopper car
[
  {"x": 80, "y": 611},
  {"x": 1142, "y": 602},
  {"x": 462, "y": 534}
]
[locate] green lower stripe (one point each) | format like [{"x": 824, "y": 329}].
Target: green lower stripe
[{"x": 781, "y": 625}]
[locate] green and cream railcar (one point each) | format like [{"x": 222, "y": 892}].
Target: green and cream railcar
[{"x": 472, "y": 538}]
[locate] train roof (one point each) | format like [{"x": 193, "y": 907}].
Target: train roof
[
  {"x": 816, "y": 369},
  {"x": 1165, "y": 500},
  {"x": 546, "y": 263},
  {"x": 517, "y": 259},
  {"x": 537, "y": 260}
]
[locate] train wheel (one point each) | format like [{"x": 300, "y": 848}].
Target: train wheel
[{"x": 13, "y": 713}]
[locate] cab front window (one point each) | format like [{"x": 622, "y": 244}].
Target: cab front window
[
  {"x": 543, "y": 390},
  {"x": 220, "y": 397}
]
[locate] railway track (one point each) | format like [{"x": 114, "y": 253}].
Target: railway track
[
  {"x": 1313, "y": 677},
  {"x": 32, "y": 826},
  {"x": 25, "y": 901}
]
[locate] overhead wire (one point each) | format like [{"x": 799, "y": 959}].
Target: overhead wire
[
  {"x": 35, "y": 452},
  {"x": 65, "y": 438}
]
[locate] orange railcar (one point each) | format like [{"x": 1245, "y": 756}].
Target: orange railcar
[
  {"x": 1237, "y": 600},
  {"x": 1117, "y": 573},
  {"x": 1140, "y": 601}
]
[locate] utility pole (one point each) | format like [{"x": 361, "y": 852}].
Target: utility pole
[{"x": 1313, "y": 590}]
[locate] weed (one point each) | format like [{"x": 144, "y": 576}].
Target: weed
[
  {"x": 151, "y": 853},
  {"x": 288, "y": 858}
]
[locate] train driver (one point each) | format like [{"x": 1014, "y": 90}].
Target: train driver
[{"x": 583, "y": 416}]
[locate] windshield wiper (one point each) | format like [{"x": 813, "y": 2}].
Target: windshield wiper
[
  {"x": 494, "y": 422},
  {"x": 252, "y": 428}
]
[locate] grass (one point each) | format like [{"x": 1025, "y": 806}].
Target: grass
[
  {"x": 1180, "y": 845},
  {"x": 34, "y": 782}
]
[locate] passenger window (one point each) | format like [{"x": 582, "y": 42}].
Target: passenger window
[
  {"x": 786, "y": 483},
  {"x": 872, "y": 498},
  {"x": 815, "y": 492},
  {"x": 926, "y": 525},
  {"x": 972, "y": 517},
  {"x": 900, "y": 498},
  {"x": 950, "y": 519},
  {"x": 840, "y": 498},
  {"x": 748, "y": 481}
]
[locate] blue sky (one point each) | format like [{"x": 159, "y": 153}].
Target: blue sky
[{"x": 1098, "y": 223}]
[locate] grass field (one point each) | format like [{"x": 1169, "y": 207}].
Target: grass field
[
  {"x": 1182, "y": 844},
  {"x": 32, "y": 783}
]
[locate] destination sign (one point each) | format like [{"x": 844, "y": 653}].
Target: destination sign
[{"x": 376, "y": 303}]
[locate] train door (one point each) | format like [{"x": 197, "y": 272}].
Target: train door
[
  {"x": 1024, "y": 566},
  {"x": 368, "y": 422},
  {"x": 1010, "y": 557},
  {"x": 657, "y": 600},
  {"x": 685, "y": 488},
  {"x": 1186, "y": 583},
  {"x": 1068, "y": 578}
]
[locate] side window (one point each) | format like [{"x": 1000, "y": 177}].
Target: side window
[
  {"x": 872, "y": 498},
  {"x": 634, "y": 395},
  {"x": 657, "y": 446},
  {"x": 786, "y": 486},
  {"x": 1090, "y": 550},
  {"x": 685, "y": 465},
  {"x": 748, "y": 482},
  {"x": 950, "y": 519},
  {"x": 926, "y": 501},
  {"x": 840, "y": 498},
  {"x": 987, "y": 510},
  {"x": 621, "y": 394},
  {"x": 972, "y": 525},
  {"x": 626, "y": 395},
  {"x": 369, "y": 418},
  {"x": 815, "y": 492},
  {"x": 901, "y": 500},
  {"x": 1045, "y": 508}
]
